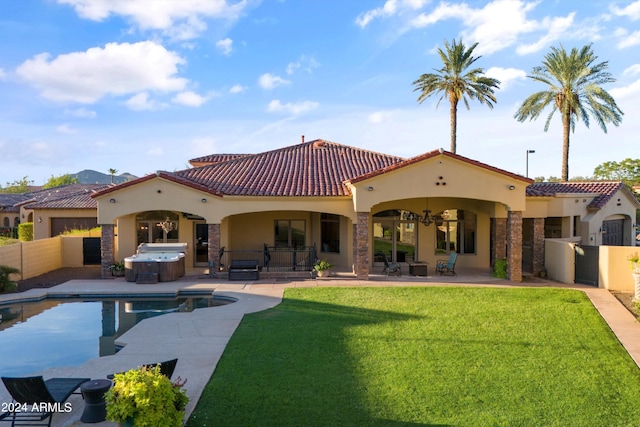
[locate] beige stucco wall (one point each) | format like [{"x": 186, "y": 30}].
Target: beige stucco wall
[
  {"x": 440, "y": 176},
  {"x": 559, "y": 260},
  {"x": 41, "y": 256},
  {"x": 615, "y": 271}
]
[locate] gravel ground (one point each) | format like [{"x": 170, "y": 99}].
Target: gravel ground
[{"x": 56, "y": 277}]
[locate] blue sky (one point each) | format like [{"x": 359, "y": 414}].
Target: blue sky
[{"x": 146, "y": 85}]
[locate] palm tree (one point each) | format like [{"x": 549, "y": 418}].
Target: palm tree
[
  {"x": 573, "y": 90},
  {"x": 112, "y": 172},
  {"x": 457, "y": 83}
]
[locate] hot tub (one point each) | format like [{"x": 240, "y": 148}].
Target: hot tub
[{"x": 156, "y": 262}]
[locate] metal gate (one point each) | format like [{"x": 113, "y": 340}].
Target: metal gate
[
  {"x": 586, "y": 265},
  {"x": 91, "y": 251}
]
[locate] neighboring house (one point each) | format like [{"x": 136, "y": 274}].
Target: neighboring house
[
  {"x": 590, "y": 213},
  {"x": 59, "y": 209},
  {"x": 9, "y": 212}
]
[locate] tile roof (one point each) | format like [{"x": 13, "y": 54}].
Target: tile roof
[
  {"x": 71, "y": 196},
  {"x": 313, "y": 168},
  {"x": 214, "y": 158},
  {"x": 604, "y": 190},
  {"x": 9, "y": 201}
]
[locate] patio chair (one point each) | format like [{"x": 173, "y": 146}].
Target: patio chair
[
  {"x": 35, "y": 399},
  {"x": 389, "y": 266},
  {"x": 166, "y": 368},
  {"x": 447, "y": 266}
]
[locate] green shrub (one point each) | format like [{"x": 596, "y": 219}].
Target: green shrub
[
  {"x": 147, "y": 397},
  {"x": 25, "y": 232},
  {"x": 500, "y": 268},
  {"x": 6, "y": 284}
]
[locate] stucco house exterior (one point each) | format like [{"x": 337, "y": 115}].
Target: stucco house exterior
[{"x": 353, "y": 205}]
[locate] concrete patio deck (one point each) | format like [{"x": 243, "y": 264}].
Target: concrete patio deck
[{"x": 198, "y": 338}]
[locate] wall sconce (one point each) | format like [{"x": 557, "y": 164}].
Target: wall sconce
[
  {"x": 512, "y": 187},
  {"x": 369, "y": 188},
  {"x": 39, "y": 219},
  {"x": 203, "y": 200},
  {"x": 112, "y": 200}
]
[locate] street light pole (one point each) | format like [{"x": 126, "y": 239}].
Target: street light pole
[{"x": 529, "y": 152}]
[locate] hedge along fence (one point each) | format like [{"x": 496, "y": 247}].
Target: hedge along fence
[{"x": 42, "y": 256}]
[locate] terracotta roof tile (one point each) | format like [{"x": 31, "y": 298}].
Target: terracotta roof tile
[
  {"x": 604, "y": 190},
  {"x": 214, "y": 158},
  {"x": 314, "y": 168},
  {"x": 72, "y": 196}
]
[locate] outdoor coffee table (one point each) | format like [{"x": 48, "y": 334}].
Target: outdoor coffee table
[{"x": 95, "y": 407}]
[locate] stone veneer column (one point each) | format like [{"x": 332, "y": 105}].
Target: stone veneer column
[
  {"x": 107, "y": 240},
  {"x": 514, "y": 246},
  {"x": 213, "y": 251},
  {"x": 538, "y": 246},
  {"x": 498, "y": 239},
  {"x": 354, "y": 248},
  {"x": 361, "y": 245}
]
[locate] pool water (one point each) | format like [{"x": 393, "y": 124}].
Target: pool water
[{"x": 62, "y": 332}]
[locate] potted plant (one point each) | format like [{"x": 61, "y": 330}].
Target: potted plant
[
  {"x": 634, "y": 263},
  {"x": 322, "y": 267},
  {"x": 117, "y": 269},
  {"x": 144, "y": 397}
]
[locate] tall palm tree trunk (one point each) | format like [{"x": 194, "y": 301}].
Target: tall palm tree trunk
[
  {"x": 566, "y": 127},
  {"x": 454, "y": 121}
]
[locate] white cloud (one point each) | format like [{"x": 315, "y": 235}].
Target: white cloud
[
  {"x": 269, "y": 81},
  {"x": 237, "y": 89},
  {"x": 141, "y": 102},
  {"x": 626, "y": 39},
  {"x": 82, "y": 113},
  {"x": 379, "y": 117},
  {"x": 178, "y": 19},
  {"x": 556, "y": 29},
  {"x": 66, "y": 129},
  {"x": 190, "y": 99},
  {"x": 116, "y": 69},
  {"x": 632, "y": 10},
  {"x": 506, "y": 75},
  {"x": 225, "y": 46},
  {"x": 307, "y": 63},
  {"x": 632, "y": 70},
  {"x": 390, "y": 8},
  {"x": 200, "y": 146},
  {"x": 276, "y": 106},
  {"x": 2, "y": 73}
]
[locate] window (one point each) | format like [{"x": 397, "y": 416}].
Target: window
[
  {"x": 157, "y": 227},
  {"x": 456, "y": 232},
  {"x": 330, "y": 233},
  {"x": 7, "y": 221},
  {"x": 289, "y": 233}
]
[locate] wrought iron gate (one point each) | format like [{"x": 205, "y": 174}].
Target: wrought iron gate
[{"x": 586, "y": 265}]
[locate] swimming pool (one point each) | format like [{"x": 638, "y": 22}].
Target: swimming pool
[{"x": 68, "y": 332}]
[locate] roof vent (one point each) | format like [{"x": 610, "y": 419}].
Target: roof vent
[{"x": 302, "y": 138}]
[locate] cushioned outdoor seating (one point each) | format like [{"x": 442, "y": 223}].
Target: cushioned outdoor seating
[
  {"x": 447, "y": 266},
  {"x": 166, "y": 368},
  {"x": 36, "y": 400},
  {"x": 244, "y": 269}
]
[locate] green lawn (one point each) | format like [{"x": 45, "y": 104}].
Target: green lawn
[{"x": 423, "y": 356}]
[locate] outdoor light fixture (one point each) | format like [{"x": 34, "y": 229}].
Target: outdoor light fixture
[
  {"x": 512, "y": 187},
  {"x": 112, "y": 200},
  {"x": 369, "y": 188},
  {"x": 427, "y": 219},
  {"x": 39, "y": 219},
  {"x": 203, "y": 200}
]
